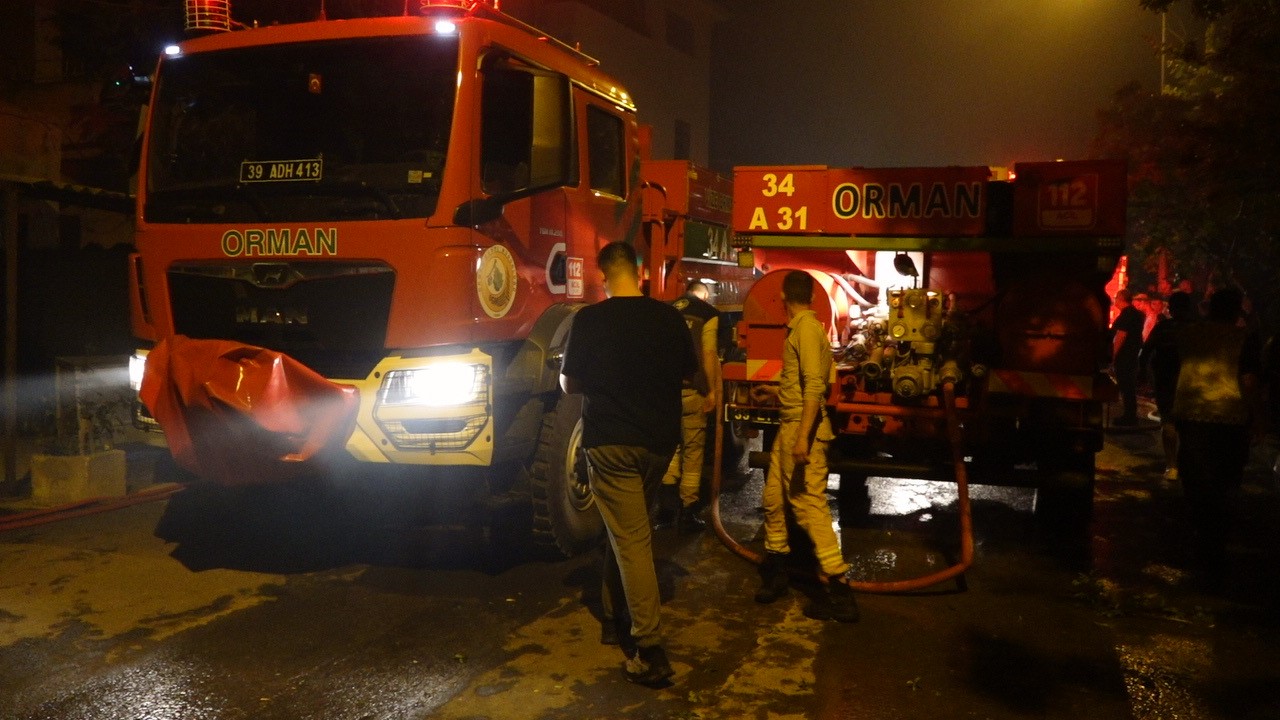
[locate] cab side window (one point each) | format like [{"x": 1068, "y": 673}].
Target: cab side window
[
  {"x": 606, "y": 152},
  {"x": 524, "y": 127}
]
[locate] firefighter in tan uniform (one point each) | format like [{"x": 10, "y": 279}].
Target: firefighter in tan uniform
[
  {"x": 700, "y": 396},
  {"x": 797, "y": 475}
]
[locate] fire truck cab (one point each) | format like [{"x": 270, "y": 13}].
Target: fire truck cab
[{"x": 364, "y": 240}]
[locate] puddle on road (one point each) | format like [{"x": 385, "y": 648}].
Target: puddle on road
[
  {"x": 1158, "y": 672},
  {"x": 907, "y": 496}
]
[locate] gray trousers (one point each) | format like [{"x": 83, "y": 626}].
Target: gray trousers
[{"x": 624, "y": 480}]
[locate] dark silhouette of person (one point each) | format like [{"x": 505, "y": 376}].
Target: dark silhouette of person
[
  {"x": 1126, "y": 343},
  {"x": 1218, "y": 409},
  {"x": 1160, "y": 357}
]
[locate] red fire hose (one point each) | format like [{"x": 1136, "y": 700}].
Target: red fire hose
[
  {"x": 954, "y": 437},
  {"x": 86, "y": 507}
]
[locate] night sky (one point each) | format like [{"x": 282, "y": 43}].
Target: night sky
[{"x": 922, "y": 82}]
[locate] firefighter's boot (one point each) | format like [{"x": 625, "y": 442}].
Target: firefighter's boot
[
  {"x": 844, "y": 606},
  {"x": 773, "y": 578},
  {"x": 687, "y": 520},
  {"x": 666, "y": 508},
  {"x": 834, "y": 601}
]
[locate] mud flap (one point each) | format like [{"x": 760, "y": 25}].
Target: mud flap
[{"x": 243, "y": 415}]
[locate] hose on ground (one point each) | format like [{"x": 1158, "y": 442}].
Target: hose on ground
[
  {"x": 86, "y": 507},
  {"x": 954, "y": 439}
]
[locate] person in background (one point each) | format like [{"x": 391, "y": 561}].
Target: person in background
[
  {"x": 1126, "y": 343},
  {"x": 1160, "y": 357},
  {"x": 1156, "y": 309},
  {"x": 1271, "y": 391},
  {"x": 797, "y": 475},
  {"x": 1142, "y": 303},
  {"x": 629, "y": 356},
  {"x": 1249, "y": 319},
  {"x": 1218, "y": 409},
  {"x": 700, "y": 396},
  {"x": 1271, "y": 379}
]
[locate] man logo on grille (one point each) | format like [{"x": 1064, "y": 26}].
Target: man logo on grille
[{"x": 270, "y": 274}]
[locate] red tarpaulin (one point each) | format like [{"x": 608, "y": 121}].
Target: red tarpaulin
[{"x": 243, "y": 415}]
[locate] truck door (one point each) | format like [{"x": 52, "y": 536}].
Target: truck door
[
  {"x": 527, "y": 163},
  {"x": 601, "y": 213}
]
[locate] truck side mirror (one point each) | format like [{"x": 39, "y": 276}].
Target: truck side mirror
[{"x": 479, "y": 211}]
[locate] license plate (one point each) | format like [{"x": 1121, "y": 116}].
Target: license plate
[{"x": 751, "y": 415}]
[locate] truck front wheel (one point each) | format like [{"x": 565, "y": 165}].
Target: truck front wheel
[{"x": 565, "y": 517}]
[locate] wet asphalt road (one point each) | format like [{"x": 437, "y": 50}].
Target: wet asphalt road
[{"x": 292, "y": 603}]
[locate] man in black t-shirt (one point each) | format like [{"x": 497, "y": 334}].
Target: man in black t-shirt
[
  {"x": 629, "y": 356},
  {"x": 1126, "y": 342}
]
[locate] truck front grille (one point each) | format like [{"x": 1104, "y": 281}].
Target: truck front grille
[{"x": 332, "y": 317}]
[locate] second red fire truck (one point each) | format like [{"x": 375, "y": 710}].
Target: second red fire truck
[{"x": 944, "y": 279}]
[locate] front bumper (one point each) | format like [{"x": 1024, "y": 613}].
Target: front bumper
[{"x": 231, "y": 411}]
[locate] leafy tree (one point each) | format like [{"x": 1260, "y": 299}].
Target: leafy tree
[{"x": 1203, "y": 151}]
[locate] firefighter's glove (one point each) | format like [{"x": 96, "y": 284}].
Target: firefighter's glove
[{"x": 764, "y": 394}]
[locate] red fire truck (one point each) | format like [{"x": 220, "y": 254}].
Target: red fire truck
[
  {"x": 364, "y": 240},
  {"x": 944, "y": 279}
]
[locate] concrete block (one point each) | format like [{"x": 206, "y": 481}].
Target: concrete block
[{"x": 62, "y": 479}]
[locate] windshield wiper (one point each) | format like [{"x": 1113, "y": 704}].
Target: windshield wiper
[
  {"x": 360, "y": 188},
  {"x": 199, "y": 201}
]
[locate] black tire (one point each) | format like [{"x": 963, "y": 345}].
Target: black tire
[{"x": 565, "y": 518}]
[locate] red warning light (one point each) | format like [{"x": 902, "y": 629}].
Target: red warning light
[
  {"x": 424, "y": 5},
  {"x": 212, "y": 15}
]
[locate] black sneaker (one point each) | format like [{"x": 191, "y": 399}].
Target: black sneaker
[{"x": 649, "y": 667}]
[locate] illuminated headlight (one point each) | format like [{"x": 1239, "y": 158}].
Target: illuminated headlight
[
  {"x": 438, "y": 408},
  {"x": 137, "y": 364},
  {"x": 443, "y": 385}
]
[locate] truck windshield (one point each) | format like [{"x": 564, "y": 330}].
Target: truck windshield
[{"x": 336, "y": 130}]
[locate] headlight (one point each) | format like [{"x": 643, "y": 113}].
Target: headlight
[
  {"x": 137, "y": 364},
  {"x": 443, "y": 385}
]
